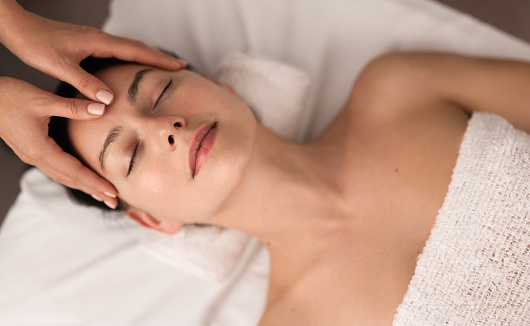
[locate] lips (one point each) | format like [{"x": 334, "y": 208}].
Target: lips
[{"x": 201, "y": 146}]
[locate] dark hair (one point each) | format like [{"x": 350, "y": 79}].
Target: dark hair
[{"x": 58, "y": 131}]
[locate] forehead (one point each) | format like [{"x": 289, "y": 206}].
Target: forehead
[
  {"x": 87, "y": 136},
  {"x": 120, "y": 76},
  {"x": 116, "y": 76}
]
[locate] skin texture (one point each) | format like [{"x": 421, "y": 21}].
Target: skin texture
[
  {"x": 56, "y": 49},
  {"x": 164, "y": 135},
  {"x": 344, "y": 217}
]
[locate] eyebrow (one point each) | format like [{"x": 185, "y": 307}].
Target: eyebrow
[
  {"x": 133, "y": 88},
  {"x": 115, "y": 132},
  {"x": 111, "y": 137}
]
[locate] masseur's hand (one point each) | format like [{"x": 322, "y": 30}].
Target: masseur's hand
[
  {"x": 56, "y": 49},
  {"x": 25, "y": 112}
]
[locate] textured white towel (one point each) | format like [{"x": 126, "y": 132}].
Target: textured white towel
[
  {"x": 474, "y": 268},
  {"x": 277, "y": 93}
]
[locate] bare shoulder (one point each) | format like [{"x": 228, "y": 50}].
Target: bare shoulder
[
  {"x": 398, "y": 84},
  {"x": 382, "y": 95},
  {"x": 386, "y": 89}
]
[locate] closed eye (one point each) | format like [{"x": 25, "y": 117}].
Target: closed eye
[
  {"x": 135, "y": 152},
  {"x": 133, "y": 158},
  {"x": 163, "y": 92}
]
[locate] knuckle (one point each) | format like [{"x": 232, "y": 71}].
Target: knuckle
[
  {"x": 74, "y": 178},
  {"x": 90, "y": 31},
  {"x": 41, "y": 105},
  {"x": 71, "y": 108},
  {"x": 95, "y": 35},
  {"x": 85, "y": 83}
]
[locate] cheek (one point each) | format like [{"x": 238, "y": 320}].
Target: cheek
[
  {"x": 153, "y": 189},
  {"x": 228, "y": 163},
  {"x": 168, "y": 194},
  {"x": 165, "y": 192}
]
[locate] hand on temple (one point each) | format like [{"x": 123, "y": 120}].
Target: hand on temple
[
  {"x": 25, "y": 112},
  {"x": 56, "y": 49}
]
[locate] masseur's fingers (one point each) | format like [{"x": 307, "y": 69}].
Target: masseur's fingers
[
  {"x": 72, "y": 173},
  {"x": 67, "y": 170},
  {"x": 57, "y": 48},
  {"x": 74, "y": 108},
  {"x": 87, "y": 84},
  {"x": 117, "y": 47},
  {"x": 25, "y": 112}
]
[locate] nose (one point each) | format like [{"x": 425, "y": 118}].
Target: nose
[{"x": 167, "y": 129}]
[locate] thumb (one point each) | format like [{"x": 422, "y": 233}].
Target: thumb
[
  {"x": 77, "y": 109},
  {"x": 88, "y": 85}
]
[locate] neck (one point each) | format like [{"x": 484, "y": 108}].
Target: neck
[
  {"x": 285, "y": 196},
  {"x": 281, "y": 176}
]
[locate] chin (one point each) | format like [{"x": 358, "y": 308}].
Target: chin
[
  {"x": 227, "y": 163},
  {"x": 224, "y": 174}
]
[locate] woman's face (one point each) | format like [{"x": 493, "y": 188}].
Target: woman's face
[{"x": 174, "y": 144}]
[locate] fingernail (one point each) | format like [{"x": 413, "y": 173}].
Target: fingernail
[
  {"x": 109, "y": 194},
  {"x": 177, "y": 64},
  {"x": 96, "y": 198},
  {"x": 180, "y": 63},
  {"x": 96, "y": 108},
  {"x": 104, "y": 96},
  {"x": 110, "y": 204}
]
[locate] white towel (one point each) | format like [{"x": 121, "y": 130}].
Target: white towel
[
  {"x": 276, "y": 92},
  {"x": 475, "y": 266}
]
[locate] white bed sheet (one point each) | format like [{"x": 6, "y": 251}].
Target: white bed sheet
[{"x": 62, "y": 265}]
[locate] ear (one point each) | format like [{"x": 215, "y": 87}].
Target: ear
[
  {"x": 223, "y": 85},
  {"x": 150, "y": 222}
]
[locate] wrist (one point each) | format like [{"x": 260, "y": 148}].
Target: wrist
[{"x": 11, "y": 14}]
